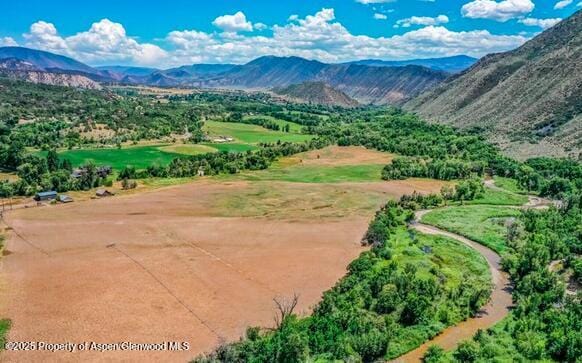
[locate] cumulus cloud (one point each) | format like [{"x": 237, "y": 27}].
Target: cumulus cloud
[
  {"x": 317, "y": 36},
  {"x": 497, "y": 10},
  {"x": 7, "y": 42},
  {"x": 320, "y": 36},
  {"x": 104, "y": 42},
  {"x": 233, "y": 23},
  {"x": 542, "y": 23},
  {"x": 562, "y": 4},
  {"x": 421, "y": 20},
  {"x": 380, "y": 16}
]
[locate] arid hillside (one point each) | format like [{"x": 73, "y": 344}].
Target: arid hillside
[{"x": 528, "y": 100}]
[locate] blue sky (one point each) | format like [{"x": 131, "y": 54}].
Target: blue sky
[{"x": 168, "y": 33}]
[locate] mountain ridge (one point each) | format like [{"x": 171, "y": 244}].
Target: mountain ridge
[{"x": 528, "y": 100}]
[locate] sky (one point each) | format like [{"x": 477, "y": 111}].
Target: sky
[{"x": 175, "y": 32}]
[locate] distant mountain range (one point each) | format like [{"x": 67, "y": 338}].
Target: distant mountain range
[
  {"x": 453, "y": 64},
  {"x": 378, "y": 85},
  {"x": 317, "y": 93},
  {"x": 528, "y": 100},
  {"x": 383, "y": 84}
]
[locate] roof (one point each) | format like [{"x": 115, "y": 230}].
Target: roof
[{"x": 47, "y": 194}]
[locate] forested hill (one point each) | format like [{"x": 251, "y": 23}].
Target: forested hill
[{"x": 528, "y": 100}]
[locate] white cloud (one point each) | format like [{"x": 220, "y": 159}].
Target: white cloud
[
  {"x": 233, "y": 23},
  {"x": 260, "y": 26},
  {"x": 499, "y": 11},
  {"x": 7, "y": 42},
  {"x": 542, "y": 23},
  {"x": 380, "y": 16},
  {"x": 562, "y": 4},
  {"x": 104, "y": 42},
  {"x": 320, "y": 37},
  {"x": 421, "y": 20}
]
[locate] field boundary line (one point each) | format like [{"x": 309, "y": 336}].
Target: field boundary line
[{"x": 169, "y": 291}]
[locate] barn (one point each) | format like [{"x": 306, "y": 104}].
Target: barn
[{"x": 44, "y": 196}]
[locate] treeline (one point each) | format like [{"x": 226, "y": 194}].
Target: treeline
[
  {"x": 259, "y": 121},
  {"x": 51, "y": 173},
  {"x": 442, "y": 169},
  {"x": 377, "y": 310},
  {"x": 223, "y": 162}
]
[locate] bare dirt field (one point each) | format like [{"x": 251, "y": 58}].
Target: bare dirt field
[{"x": 197, "y": 262}]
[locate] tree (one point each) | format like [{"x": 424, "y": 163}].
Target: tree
[
  {"x": 52, "y": 160},
  {"x": 434, "y": 354}
]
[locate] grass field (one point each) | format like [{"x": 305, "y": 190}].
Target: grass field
[
  {"x": 499, "y": 197},
  {"x": 509, "y": 185},
  {"x": 482, "y": 223},
  {"x": 318, "y": 174},
  {"x": 232, "y": 147},
  {"x": 138, "y": 156},
  {"x": 251, "y": 134},
  {"x": 293, "y": 127},
  {"x": 246, "y": 136},
  {"x": 328, "y": 165}
]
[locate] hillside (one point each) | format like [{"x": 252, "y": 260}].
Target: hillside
[
  {"x": 45, "y": 60},
  {"x": 19, "y": 70},
  {"x": 528, "y": 100},
  {"x": 377, "y": 85},
  {"x": 452, "y": 64},
  {"x": 316, "y": 92}
]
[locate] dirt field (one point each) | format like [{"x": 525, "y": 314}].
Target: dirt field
[{"x": 197, "y": 262}]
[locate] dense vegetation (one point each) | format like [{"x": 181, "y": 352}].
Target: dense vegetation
[{"x": 547, "y": 320}]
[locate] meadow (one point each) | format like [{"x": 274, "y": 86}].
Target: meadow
[
  {"x": 246, "y": 138},
  {"x": 252, "y": 134},
  {"x": 485, "y": 224}
]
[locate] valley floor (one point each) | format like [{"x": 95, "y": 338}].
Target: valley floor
[{"x": 197, "y": 262}]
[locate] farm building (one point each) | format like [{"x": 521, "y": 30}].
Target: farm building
[
  {"x": 63, "y": 198},
  {"x": 44, "y": 196},
  {"x": 103, "y": 193}
]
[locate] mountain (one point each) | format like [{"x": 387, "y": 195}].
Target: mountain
[
  {"x": 528, "y": 100},
  {"x": 316, "y": 92},
  {"x": 124, "y": 71},
  {"x": 17, "y": 69},
  {"x": 198, "y": 70},
  {"x": 45, "y": 60},
  {"x": 367, "y": 84},
  {"x": 378, "y": 85},
  {"x": 453, "y": 64}
]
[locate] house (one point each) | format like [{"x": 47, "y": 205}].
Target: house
[
  {"x": 101, "y": 171},
  {"x": 45, "y": 196},
  {"x": 63, "y": 198},
  {"x": 103, "y": 193}
]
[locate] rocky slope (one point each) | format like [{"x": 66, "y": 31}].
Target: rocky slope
[
  {"x": 25, "y": 71},
  {"x": 316, "y": 92},
  {"x": 528, "y": 100}
]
